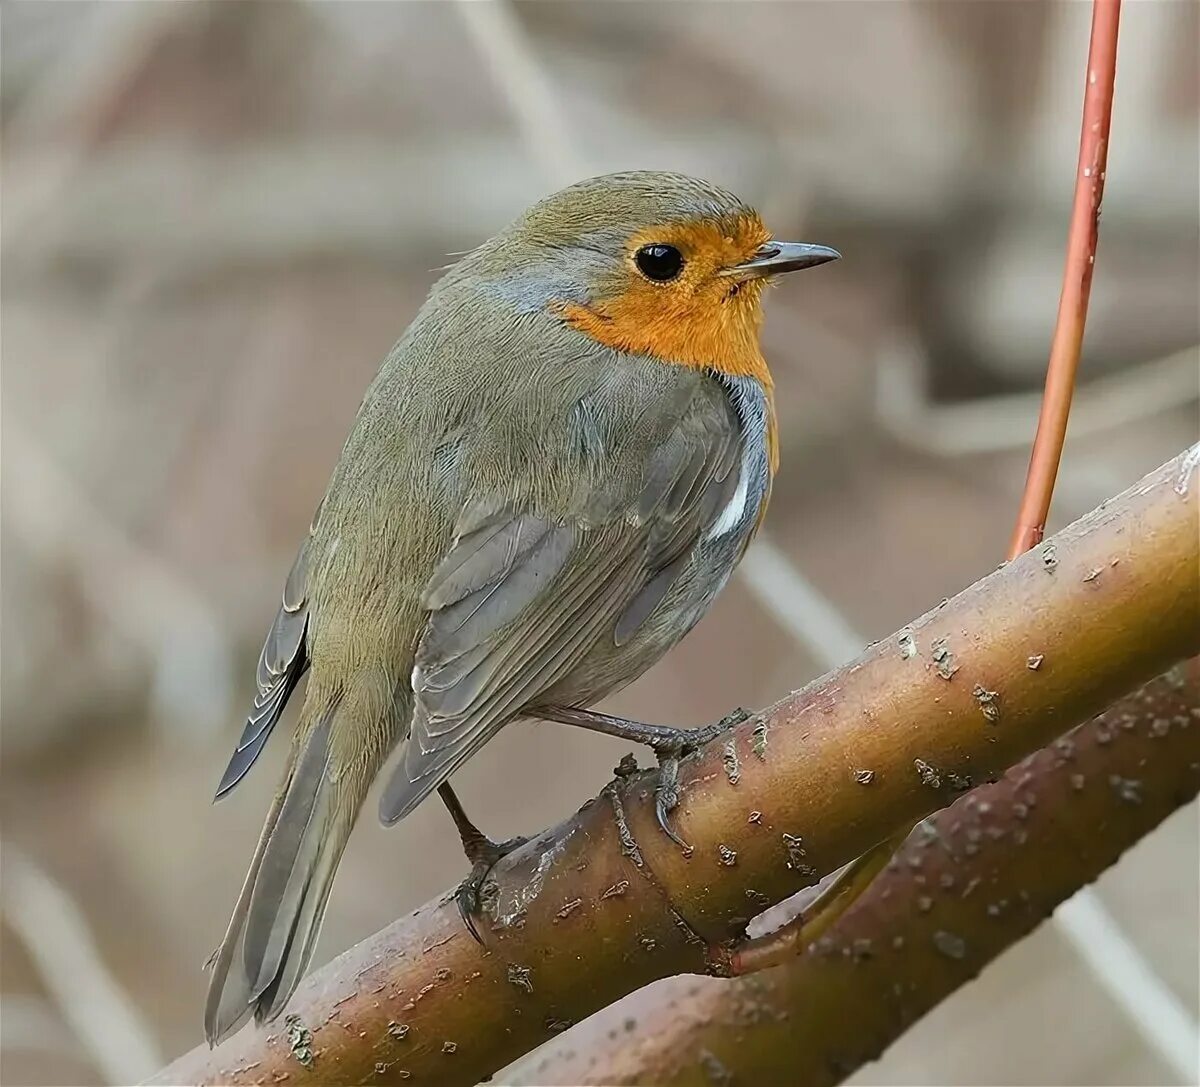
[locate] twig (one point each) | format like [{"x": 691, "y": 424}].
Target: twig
[
  {"x": 1077, "y": 278},
  {"x": 793, "y": 937},
  {"x": 1155, "y": 1012},
  {"x": 785, "y": 594}
]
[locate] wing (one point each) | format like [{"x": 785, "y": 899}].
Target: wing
[
  {"x": 281, "y": 663},
  {"x": 520, "y": 599}
]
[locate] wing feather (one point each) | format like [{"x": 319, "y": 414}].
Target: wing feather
[
  {"x": 521, "y": 599},
  {"x": 281, "y": 664}
]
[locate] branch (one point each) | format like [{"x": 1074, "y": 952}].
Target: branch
[
  {"x": 950, "y": 701},
  {"x": 1082, "y": 237},
  {"x": 970, "y": 882},
  {"x": 668, "y": 1026},
  {"x": 784, "y": 943}
]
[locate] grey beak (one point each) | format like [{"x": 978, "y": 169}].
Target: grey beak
[{"x": 776, "y": 257}]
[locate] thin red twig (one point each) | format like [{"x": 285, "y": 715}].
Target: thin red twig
[
  {"x": 790, "y": 939},
  {"x": 1077, "y": 279}
]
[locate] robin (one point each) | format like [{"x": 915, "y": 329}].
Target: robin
[{"x": 553, "y": 474}]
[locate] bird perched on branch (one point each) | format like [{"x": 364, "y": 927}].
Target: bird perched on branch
[{"x": 554, "y": 473}]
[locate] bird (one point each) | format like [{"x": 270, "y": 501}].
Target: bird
[{"x": 553, "y": 474}]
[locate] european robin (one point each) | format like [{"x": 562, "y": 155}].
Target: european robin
[{"x": 553, "y": 474}]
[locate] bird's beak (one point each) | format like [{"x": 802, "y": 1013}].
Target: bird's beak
[{"x": 776, "y": 257}]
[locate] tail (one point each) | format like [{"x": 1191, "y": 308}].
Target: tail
[{"x": 278, "y": 915}]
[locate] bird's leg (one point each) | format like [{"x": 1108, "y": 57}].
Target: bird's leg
[
  {"x": 481, "y": 851},
  {"x": 669, "y": 744}
]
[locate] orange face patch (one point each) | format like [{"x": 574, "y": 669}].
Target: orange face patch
[{"x": 701, "y": 318}]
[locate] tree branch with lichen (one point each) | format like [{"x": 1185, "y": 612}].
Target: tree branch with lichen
[{"x": 604, "y": 903}]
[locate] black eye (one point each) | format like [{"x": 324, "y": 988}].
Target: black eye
[{"x": 659, "y": 262}]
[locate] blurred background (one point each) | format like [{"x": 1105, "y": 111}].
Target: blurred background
[{"x": 217, "y": 217}]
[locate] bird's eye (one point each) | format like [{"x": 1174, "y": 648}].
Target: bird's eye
[{"x": 659, "y": 262}]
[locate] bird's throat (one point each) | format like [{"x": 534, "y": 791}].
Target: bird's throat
[{"x": 723, "y": 336}]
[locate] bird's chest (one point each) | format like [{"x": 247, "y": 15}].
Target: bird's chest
[
  {"x": 724, "y": 541},
  {"x": 737, "y": 519}
]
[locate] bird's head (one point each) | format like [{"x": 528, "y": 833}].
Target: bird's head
[{"x": 649, "y": 263}]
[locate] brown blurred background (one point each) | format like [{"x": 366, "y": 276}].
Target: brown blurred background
[{"x": 217, "y": 217}]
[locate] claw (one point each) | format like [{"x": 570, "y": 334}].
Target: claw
[
  {"x": 666, "y": 798},
  {"x": 467, "y": 898},
  {"x": 668, "y": 744},
  {"x": 669, "y": 751},
  {"x": 484, "y": 854},
  {"x": 661, "y": 810},
  {"x": 688, "y": 741}
]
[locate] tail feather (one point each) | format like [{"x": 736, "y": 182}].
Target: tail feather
[
  {"x": 273, "y": 931},
  {"x": 229, "y": 1005},
  {"x": 285, "y": 875},
  {"x": 303, "y": 941}
]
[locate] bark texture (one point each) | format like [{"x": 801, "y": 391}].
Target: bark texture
[
  {"x": 604, "y": 903},
  {"x": 970, "y": 881}
]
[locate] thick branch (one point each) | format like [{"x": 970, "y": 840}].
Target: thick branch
[
  {"x": 604, "y": 903},
  {"x": 971, "y": 881}
]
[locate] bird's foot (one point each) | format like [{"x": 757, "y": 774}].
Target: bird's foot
[
  {"x": 668, "y": 744},
  {"x": 670, "y": 747},
  {"x": 483, "y": 854}
]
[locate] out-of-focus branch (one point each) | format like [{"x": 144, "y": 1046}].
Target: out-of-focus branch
[
  {"x": 134, "y": 589},
  {"x": 496, "y": 33},
  {"x": 786, "y": 797},
  {"x": 971, "y": 881},
  {"x": 56, "y": 937},
  {"x": 1003, "y": 422},
  {"x": 73, "y": 99}
]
